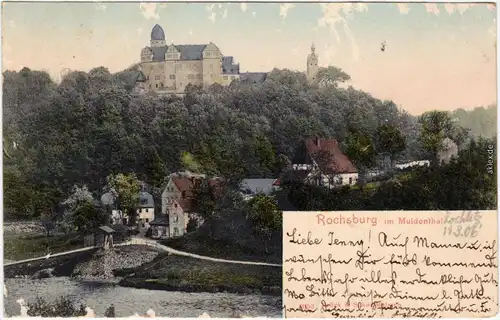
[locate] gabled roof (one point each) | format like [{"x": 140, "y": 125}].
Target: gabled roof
[
  {"x": 158, "y": 53},
  {"x": 335, "y": 162},
  {"x": 146, "y": 200},
  {"x": 140, "y": 77},
  {"x": 191, "y": 51},
  {"x": 160, "y": 221},
  {"x": 102, "y": 229},
  {"x": 186, "y": 185}
]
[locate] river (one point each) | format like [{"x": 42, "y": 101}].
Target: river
[{"x": 128, "y": 301}]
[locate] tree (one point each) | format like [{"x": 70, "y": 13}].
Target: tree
[
  {"x": 265, "y": 216},
  {"x": 125, "y": 189},
  {"x": 435, "y": 126},
  {"x": 204, "y": 203},
  {"x": 189, "y": 163},
  {"x": 88, "y": 215},
  {"x": 332, "y": 76},
  {"x": 360, "y": 149},
  {"x": 48, "y": 223},
  {"x": 389, "y": 140},
  {"x": 191, "y": 225},
  {"x": 74, "y": 205}
]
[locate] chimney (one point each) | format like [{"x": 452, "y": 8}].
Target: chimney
[{"x": 317, "y": 141}]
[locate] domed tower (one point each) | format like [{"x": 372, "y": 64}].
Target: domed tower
[
  {"x": 157, "y": 37},
  {"x": 312, "y": 65}
]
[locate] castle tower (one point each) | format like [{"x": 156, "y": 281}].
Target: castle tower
[
  {"x": 312, "y": 65},
  {"x": 157, "y": 37}
]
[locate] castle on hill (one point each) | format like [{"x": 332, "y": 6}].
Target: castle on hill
[{"x": 168, "y": 69}]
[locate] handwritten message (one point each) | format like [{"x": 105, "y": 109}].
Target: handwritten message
[{"x": 421, "y": 264}]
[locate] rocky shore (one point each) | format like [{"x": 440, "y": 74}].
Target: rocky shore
[{"x": 104, "y": 262}]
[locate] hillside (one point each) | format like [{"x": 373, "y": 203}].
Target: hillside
[
  {"x": 481, "y": 121},
  {"x": 91, "y": 125}
]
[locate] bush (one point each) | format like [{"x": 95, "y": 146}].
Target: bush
[{"x": 62, "y": 307}]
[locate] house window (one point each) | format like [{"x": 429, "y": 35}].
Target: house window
[
  {"x": 147, "y": 220},
  {"x": 350, "y": 180},
  {"x": 191, "y": 76},
  {"x": 209, "y": 54},
  {"x": 184, "y": 194},
  {"x": 176, "y": 218},
  {"x": 176, "y": 231},
  {"x": 175, "y": 205},
  {"x": 147, "y": 210},
  {"x": 225, "y": 77},
  {"x": 157, "y": 85},
  {"x": 147, "y": 77},
  {"x": 233, "y": 77},
  {"x": 161, "y": 84},
  {"x": 198, "y": 76},
  {"x": 157, "y": 77},
  {"x": 172, "y": 77}
]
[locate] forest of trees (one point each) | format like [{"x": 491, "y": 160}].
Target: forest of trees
[
  {"x": 482, "y": 122},
  {"x": 91, "y": 126}
]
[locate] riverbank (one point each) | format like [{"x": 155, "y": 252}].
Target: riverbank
[
  {"x": 144, "y": 268},
  {"x": 177, "y": 273},
  {"x": 104, "y": 263}
]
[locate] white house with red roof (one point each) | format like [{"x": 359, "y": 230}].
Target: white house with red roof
[
  {"x": 177, "y": 201},
  {"x": 321, "y": 161}
]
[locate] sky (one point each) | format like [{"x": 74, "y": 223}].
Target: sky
[{"x": 437, "y": 56}]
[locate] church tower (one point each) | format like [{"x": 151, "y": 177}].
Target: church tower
[
  {"x": 312, "y": 65},
  {"x": 157, "y": 37}
]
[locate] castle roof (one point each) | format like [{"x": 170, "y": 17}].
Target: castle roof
[
  {"x": 188, "y": 51},
  {"x": 229, "y": 67},
  {"x": 157, "y": 33},
  {"x": 191, "y": 51},
  {"x": 253, "y": 77}
]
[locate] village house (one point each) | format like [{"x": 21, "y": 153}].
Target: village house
[
  {"x": 160, "y": 227},
  {"x": 177, "y": 201},
  {"x": 448, "y": 151},
  {"x": 321, "y": 162},
  {"x": 252, "y": 187},
  {"x": 146, "y": 208}
]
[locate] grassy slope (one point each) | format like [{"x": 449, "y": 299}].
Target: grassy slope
[
  {"x": 171, "y": 272},
  {"x": 195, "y": 243},
  {"x": 25, "y": 246}
]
